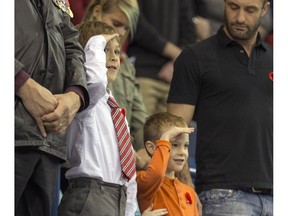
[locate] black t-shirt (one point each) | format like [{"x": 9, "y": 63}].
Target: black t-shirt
[{"x": 233, "y": 95}]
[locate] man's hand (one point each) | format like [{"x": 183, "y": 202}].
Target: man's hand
[
  {"x": 58, "y": 120},
  {"x": 202, "y": 27},
  {"x": 166, "y": 72},
  {"x": 38, "y": 101}
]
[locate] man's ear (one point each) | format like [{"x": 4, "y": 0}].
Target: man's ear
[
  {"x": 150, "y": 147},
  {"x": 97, "y": 12},
  {"x": 265, "y": 8}
]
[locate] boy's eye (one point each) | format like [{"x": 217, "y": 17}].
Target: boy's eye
[
  {"x": 117, "y": 52},
  {"x": 174, "y": 145}
]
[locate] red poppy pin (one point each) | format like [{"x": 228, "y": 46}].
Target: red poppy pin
[
  {"x": 271, "y": 75},
  {"x": 189, "y": 199},
  {"x": 123, "y": 111}
]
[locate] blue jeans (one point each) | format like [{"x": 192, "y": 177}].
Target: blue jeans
[{"x": 220, "y": 202}]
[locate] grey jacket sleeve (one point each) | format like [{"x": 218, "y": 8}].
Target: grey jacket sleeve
[
  {"x": 18, "y": 67},
  {"x": 75, "y": 69}
]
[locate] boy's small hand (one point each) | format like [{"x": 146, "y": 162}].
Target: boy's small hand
[
  {"x": 174, "y": 132},
  {"x": 150, "y": 212},
  {"x": 110, "y": 37}
]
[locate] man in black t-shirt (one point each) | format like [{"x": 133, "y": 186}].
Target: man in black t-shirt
[{"x": 225, "y": 83}]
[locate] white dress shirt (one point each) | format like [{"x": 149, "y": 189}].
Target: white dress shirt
[{"x": 91, "y": 138}]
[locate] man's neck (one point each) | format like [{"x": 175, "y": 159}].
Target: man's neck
[{"x": 246, "y": 44}]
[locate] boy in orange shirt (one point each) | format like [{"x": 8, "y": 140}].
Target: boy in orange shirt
[{"x": 166, "y": 138}]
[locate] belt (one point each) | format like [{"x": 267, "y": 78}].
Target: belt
[
  {"x": 95, "y": 183},
  {"x": 260, "y": 191}
]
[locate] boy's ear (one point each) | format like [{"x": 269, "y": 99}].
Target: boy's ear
[
  {"x": 97, "y": 12},
  {"x": 150, "y": 147}
]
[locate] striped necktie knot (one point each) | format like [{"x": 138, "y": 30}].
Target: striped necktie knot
[{"x": 112, "y": 102}]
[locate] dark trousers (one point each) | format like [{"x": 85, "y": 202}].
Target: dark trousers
[
  {"x": 35, "y": 182},
  {"x": 89, "y": 197}
]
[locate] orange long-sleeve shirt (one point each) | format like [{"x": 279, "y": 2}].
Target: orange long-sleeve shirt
[{"x": 154, "y": 187}]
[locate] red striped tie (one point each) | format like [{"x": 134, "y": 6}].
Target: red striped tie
[{"x": 127, "y": 160}]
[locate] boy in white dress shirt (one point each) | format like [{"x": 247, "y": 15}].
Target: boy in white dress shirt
[{"x": 96, "y": 182}]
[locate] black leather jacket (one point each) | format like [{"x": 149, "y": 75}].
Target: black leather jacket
[{"x": 46, "y": 47}]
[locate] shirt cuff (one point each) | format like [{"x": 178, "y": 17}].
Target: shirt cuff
[
  {"x": 164, "y": 143},
  {"x": 78, "y": 90},
  {"x": 20, "y": 79}
]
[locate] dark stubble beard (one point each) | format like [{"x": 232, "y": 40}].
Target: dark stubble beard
[{"x": 249, "y": 34}]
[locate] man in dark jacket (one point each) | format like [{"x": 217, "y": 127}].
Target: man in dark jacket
[{"x": 50, "y": 88}]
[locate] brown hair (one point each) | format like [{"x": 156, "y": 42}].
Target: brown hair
[
  {"x": 91, "y": 28},
  {"x": 157, "y": 124}
]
